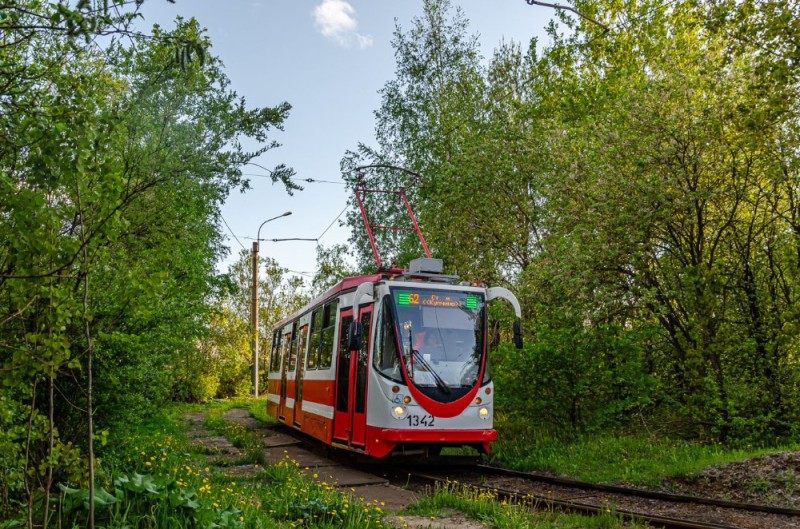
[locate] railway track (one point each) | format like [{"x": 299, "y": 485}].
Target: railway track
[
  {"x": 657, "y": 509},
  {"x": 537, "y": 491}
]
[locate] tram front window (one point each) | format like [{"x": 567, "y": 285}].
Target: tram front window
[{"x": 441, "y": 338}]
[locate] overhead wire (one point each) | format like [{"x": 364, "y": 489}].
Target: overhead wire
[
  {"x": 231, "y": 231},
  {"x": 332, "y": 223},
  {"x": 306, "y": 180},
  {"x": 317, "y": 239}
]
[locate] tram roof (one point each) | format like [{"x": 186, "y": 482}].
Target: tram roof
[
  {"x": 348, "y": 283},
  {"x": 352, "y": 282}
]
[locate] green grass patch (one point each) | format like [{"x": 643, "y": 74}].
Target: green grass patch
[
  {"x": 258, "y": 409},
  {"x": 152, "y": 477},
  {"x": 485, "y": 507},
  {"x": 610, "y": 458},
  {"x": 240, "y": 436}
]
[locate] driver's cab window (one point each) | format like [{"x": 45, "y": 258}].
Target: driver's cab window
[{"x": 386, "y": 359}]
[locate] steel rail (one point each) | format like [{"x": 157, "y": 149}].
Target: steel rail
[
  {"x": 641, "y": 493},
  {"x": 537, "y": 501},
  {"x": 534, "y": 501}
]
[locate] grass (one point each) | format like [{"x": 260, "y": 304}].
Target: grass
[
  {"x": 240, "y": 436},
  {"x": 153, "y": 477},
  {"x": 637, "y": 459},
  {"x": 486, "y": 508}
]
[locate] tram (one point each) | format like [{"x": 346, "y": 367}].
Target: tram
[{"x": 389, "y": 363}]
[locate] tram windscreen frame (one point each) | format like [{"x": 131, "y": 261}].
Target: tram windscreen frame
[{"x": 441, "y": 338}]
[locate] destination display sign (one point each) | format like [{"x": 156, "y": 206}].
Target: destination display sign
[{"x": 443, "y": 299}]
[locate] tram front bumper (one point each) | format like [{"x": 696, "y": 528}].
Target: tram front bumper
[{"x": 436, "y": 436}]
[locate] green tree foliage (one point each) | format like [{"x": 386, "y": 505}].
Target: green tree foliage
[
  {"x": 332, "y": 267},
  {"x": 415, "y": 128},
  {"x": 113, "y": 164},
  {"x": 279, "y": 295},
  {"x": 678, "y": 205},
  {"x": 637, "y": 187},
  {"x": 220, "y": 366}
]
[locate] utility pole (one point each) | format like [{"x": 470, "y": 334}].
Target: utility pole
[
  {"x": 254, "y": 319},
  {"x": 254, "y": 305}
]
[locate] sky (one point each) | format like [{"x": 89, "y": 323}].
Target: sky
[{"x": 328, "y": 59}]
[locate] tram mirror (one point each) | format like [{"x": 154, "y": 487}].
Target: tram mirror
[
  {"x": 354, "y": 336},
  {"x": 518, "y": 334}
]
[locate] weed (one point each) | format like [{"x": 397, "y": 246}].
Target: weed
[
  {"x": 758, "y": 484},
  {"x": 788, "y": 480},
  {"x": 141, "y": 500}
]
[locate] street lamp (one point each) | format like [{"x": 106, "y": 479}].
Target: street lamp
[{"x": 254, "y": 305}]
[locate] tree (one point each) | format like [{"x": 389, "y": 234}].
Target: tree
[
  {"x": 636, "y": 184},
  {"x": 414, "y": 126},
  {"x": 671, "y": 210},
  {"x": 332, "y": 267},
  {"x": 113, "y": 165},
  {"x": 278, "y": 297}
]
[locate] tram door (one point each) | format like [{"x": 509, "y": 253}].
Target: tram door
[
  {"x": 302, "y": 338},
  {"x": 350, "y": 413}
]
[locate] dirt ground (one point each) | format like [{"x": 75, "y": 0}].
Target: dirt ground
[{"x": 773, "y": 479}]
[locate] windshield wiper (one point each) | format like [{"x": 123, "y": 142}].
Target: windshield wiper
[{"x": 440, "y": 383}]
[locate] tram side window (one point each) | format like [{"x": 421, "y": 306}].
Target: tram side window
[
  {"x": 316, "y": 328},
  {"x": 286, "y": 342},
  {"x": 328, "y": 334},
  {"x": 386, "y": 359},
  {"x": 302, "y": 338},
  {"x": 293, "y": 349},
  {"x": 275, "y": 359}
]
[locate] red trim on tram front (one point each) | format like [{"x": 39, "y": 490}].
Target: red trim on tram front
[
  {"x": 435, "y": 436},
  {"x": 443, "y": 409},
  {"x": 381, "y": 441}
]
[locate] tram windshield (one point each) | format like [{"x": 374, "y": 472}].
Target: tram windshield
[{"x": 441, "y": 334}]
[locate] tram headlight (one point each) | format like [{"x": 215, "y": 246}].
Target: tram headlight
[
  {"x": 483, "y": 413},
  {"x": 399, "y": 412}
]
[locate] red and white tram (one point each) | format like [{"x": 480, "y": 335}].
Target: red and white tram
[{"x": 394, "y": 362}]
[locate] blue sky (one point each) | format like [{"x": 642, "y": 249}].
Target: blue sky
[{"x": 328, "y": 59}]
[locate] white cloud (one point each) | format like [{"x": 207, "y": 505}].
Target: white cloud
[{"x": 335, "y": 20}]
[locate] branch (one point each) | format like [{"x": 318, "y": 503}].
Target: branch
[
  {"x": 416, "y": 176},
  {"x": 567, "y": 8}
]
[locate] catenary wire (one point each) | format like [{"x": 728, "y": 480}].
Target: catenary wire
[
  {"x": 231, "y": 231},
  {"x": 306, "y": 180},
  {"x": 332, "y": 223}
]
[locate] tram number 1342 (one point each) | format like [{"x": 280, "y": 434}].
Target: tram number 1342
[{"x": 420, "y": 420}]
